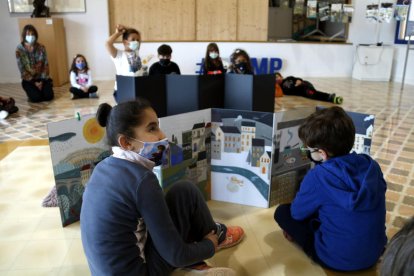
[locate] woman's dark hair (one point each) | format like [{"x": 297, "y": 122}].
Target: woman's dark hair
[
  {"x": 398, "y": 259},
  {"x": 208, "y": 60},
  {"x": 164, "y": 50},
  {"x": 130, "y": 31},
  {"x": 121, "y": 119},
  {"x": 239, "y": 52},
  {"x": 73, "y": 66},
  {"x": 30, "y": 28},
  {"x": 330, "y": 129}
]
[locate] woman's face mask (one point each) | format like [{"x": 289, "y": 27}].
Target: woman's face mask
[
  {"x": 30, "y": 39},
  {"x": 154, "y": 151}
]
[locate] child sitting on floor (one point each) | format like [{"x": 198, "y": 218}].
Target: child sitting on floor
[
  {"x": 299, "y": 87},
  {"x": 81, "y": 79},
  {"x": 338, "y": 215}
]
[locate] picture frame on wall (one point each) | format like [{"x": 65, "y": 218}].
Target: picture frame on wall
[{"x": 55, "y": 6}]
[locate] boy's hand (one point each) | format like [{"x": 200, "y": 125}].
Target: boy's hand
[
  {"x": 212, "y": 236},
  {"x": 120, "y": 28}
]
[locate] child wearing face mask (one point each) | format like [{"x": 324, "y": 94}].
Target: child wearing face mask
[
  {"x": 34, "y": 66},
  {"x": 240, "y": 63},
  {"x": 127, "y": 62},
  {"x": 213, "y": 64},
  {"x": 128, "y": 225},
  {"x": 81, "y": 79},
  {"x": 164, "y": 66},
  {"x": 338, "y": 214}
]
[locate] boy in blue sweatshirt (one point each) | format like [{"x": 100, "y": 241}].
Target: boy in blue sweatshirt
[{"x": 338, "y": 215}]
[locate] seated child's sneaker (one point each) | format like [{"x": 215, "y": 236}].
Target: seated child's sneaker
[
  {"x": 94, "y": 95},
  {"x": 338, "y": 100},
  {"x": 13, "y": 109},
  {"x": 3, "y": 114},
  {"x": 234, "y": 235},
  {"x": 73, "y": 96},
  {"x": 204, "y": 269},
  {"x": 287, "y": 236}
]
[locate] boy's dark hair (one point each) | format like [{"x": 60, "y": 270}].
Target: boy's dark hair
[
  {"x": 73, "y": 66},
  {"x": 164, "y": 50},
  {"x": 399, "y": 257},
  {"x": 121, "y": 119},
  {"x": 330, "y": 129},
  {"x": 27, "y": 28},
  {"x": 130, "y": 31}
]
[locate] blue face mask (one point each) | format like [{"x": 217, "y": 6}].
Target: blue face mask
[
  {"x": 155, "y": 151},
  {"x": 80, "y": 66}
]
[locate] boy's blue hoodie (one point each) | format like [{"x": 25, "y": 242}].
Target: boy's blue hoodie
[{"x": 347, "y": 194}]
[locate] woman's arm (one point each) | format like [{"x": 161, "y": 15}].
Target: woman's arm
[
  {"x": 120, "y": 29},
  {"x": 22, "y": 63}
]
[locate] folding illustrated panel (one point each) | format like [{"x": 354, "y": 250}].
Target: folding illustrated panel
[
  {"x": 241, "y": 153},
  {"x": 189, "y": 154},
  {"x": 76, "y": 147},
  {"x": 263, "y": 96},
  {"x": 289, "y": 164},
  {"x": 153, "y": 88}
]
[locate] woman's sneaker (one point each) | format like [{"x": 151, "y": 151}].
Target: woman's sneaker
[
  {"x": 3, "y": 114},
  {"x": 204, "y": 269},
  {"x": 232, "y": 236}
]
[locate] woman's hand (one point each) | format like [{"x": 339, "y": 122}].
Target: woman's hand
[
  {"x": 212, "y": 236},
  {"x": 39, "y": 85}
]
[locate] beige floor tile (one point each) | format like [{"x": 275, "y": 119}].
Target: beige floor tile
[
  {"x": 42, "y": 254},
  {"x": 76, "y": 256},
  {"x": 78, "y": 270},
  {"x": 34, "y": 272},
  {"x": 9, "y": 250}
]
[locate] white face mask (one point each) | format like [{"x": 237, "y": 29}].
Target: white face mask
[
  {"x": 213, "y": 55},
  {"x": 133, "y": 45},
  {"x": 154, "y": 151},
  {"x": 30, "y": 39}
]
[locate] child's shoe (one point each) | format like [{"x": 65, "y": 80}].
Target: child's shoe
[
  {"x": 233, "y": 236},
  {"x": 93, "y": 95},
  {"x": 204, "y": 269},
  {"x": 287, "y": 236},
  {"x": 3, "y": 114},
  {"x": 338, "y": 100},
  {"x": 73, "y": 96}
]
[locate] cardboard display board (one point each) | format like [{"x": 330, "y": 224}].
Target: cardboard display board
[
  {"x": 175, "y": 94},
  {"x": 76, "y": 147},
  {"x": 245, "y": 157}
]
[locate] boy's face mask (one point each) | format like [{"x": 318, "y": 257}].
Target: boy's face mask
[
  {"x": 164, "y": 61},
  {"x": 154, "y": 151},
  {"x": 309, "y": 151}
]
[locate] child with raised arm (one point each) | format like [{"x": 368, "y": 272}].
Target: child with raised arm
[
  {"x": 81, "y": 79},
  {"x": 338, "y": 215},
  {"x": 127, "y": 62},
  {"x": 128, "y": 225}
]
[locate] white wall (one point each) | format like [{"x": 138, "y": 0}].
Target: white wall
[{"x": 86, "y": 33}]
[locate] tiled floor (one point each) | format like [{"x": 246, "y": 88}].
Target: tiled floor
[{"x": 32, "y": 241}]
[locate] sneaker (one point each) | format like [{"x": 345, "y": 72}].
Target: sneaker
[
  {"x": 338, "y": 100},
  {"x": 234, "y": 235},
  {"x": 94, "y": 95},
  {"x": 221, "y": 232},
  {"x": 3, "y": 114},
  {"x": 73, "y": 96},
  {"x": 14, "y": 109},
  {"x": 204, "y": 269}
]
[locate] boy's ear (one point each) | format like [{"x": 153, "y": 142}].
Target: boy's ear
[{"x": 324, "y": 154}]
